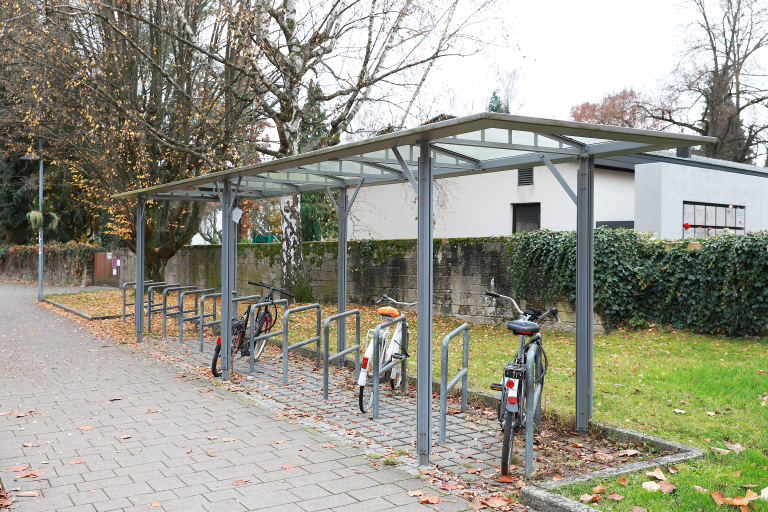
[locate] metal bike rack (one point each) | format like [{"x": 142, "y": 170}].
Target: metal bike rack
[
  {"x": 178, "y": 289},
  {"x": 446, "y": 386},
  {"x": 284, "y": 302},
  {"x": 133, "y": 283},
  {"x": 202, "y": 324},
  {"x": 326, "y": 339},
  {"x": 150, "y": 301},
  {"x": 196, "y": 317},
  {"x": 378, "y": 371},
  {"x": 287, "y": 348},
  {"x": 532, "y": 401}
]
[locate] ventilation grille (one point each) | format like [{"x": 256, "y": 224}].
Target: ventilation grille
[{"x": 525, "y": 176}]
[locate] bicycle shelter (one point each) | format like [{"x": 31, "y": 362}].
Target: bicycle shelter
[{"x": 474, "y": 144}]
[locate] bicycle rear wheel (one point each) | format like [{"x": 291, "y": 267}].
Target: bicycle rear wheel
[
  {"x": 365, "y": 397},
  {"x": 508, "y": 444},
  {"x": 258, "y": 346}
]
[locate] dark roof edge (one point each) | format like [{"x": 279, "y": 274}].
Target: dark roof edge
[{"x": 628, "y": 163}]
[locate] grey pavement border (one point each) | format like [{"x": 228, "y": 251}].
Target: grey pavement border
[
  {"x": 542, "y": 497},
  {"x": 80, "y": 313}
]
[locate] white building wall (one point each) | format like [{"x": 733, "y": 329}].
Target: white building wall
[
  {"x": 661, "y": 189},
  {"x": 481, "y": 205}
]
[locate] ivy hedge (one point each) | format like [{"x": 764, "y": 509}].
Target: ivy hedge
[
  {"x": 78, "y": 255},
  {"x": 720, "y": 288}
]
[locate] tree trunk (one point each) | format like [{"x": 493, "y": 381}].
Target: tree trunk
[{"x": 291, "y": 250}]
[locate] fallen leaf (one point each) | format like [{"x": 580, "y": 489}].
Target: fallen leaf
[
  {"x": 449, "y": 487},
  {"x": 28, "y": 494},
  {"x": 651, "y": 486},
  {"x": 616, "y": 496},
  {"x": 497, "y": 500},
  {"x": 764, "y": 494},
  {"x": 667, "y": 487},
  {"x": 737, "y": 474},
  {"x": 76, "y": 461},
  {"x": 672, "y": 469},
  {"x": 718, "y": 497},
  {"x": 473, "y": 470},
  {"x": 125, "y": 437},
  {"x": 735, "y": 447},
  {"x": 417, "y": 492},
  {"x": 29, "y": 474},
  {"x": 85, "y": 427},
  {"x": 115, "y": 399},
  {"x": 477, "y": 506},
  {"x": 429, "y": 499},
  {"x": 701, "y": 489},
  {"x": 27, "y": 445},
  {"x": 212, "y": 437},
  {"x": 589, "y": 498},
  {"x": 679, "y": 411},
  {"x": 623, "y": 481},
  {"x": 557, "y": 477},
  {"x": 279, "y": 441},
  {"x": 762, "y": 372},
  {"x": 150, "y": 411},
  {"x": 206, "y": 390},
  {"x": 17, "y": 469},
  {"x": 751, "y": 495},
  {"x": 637, "y": 508},
  {"x": 577, "y": 445},
  {"x": 506, "y": 479},
  {"x": 156, "y": 504},
  {"x": 710, "y": 413},
  {"x": 627, "y": 453},
  {"x": 329, "y": 445},
  {"x": 429, "y": 472},
  {"x": 190, "y": 451},
  {"x": 288, "y": 466},
  {"x": 240, "y": 482},
  {"x": 211, "y": 455},
  {"x": 599, "y": 489},
  {"x": 721, "y": 451},
  {"x": 656, "y": 473},
  {"x": 229, "y": 439}
]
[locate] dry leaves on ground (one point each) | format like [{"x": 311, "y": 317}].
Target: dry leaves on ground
[
  {"x": 288, "y": 466},
  {"x": 156, "y": 504},
  {"x": 240, "y": 482},
  {"x": 667, "y": 487},
  {"x": 735, "y": 447},
  {"x": 434, "y": 500},
  {"x": 637, "y": 508},
  {"x": 17, "y": 469},
  {"x": 28, "y": 494},
  {"x": 76, "y": 461},
  {"x": 657, "y": 473},
  {"x": 125, "y": 437},
  {"x": 623, "y": 481},
  {"x": 651, "y": 486},
  {"x": 590, "y": 498},
  {"x": 599, "y": 489},
  {"x": 29, "y": 474},
  {"x": 616, "y": 496},
  {"x": 279, "y": 441},
  {"x": 627, "y": 453},
  {"x": 85, "y": 427},
  {"x": 416, "y": 492}
]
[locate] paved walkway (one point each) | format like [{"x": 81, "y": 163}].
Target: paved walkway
[{"x": 107, "y": 427}]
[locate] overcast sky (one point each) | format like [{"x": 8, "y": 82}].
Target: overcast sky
[{"x": 569, "y": 52}]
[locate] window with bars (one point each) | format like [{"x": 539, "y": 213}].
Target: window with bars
[{"x": 525, "y": 176}]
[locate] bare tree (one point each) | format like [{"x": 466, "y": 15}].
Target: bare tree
[
  {"x": 720, "y": 87},
  {"x": 624, "y": 108}
]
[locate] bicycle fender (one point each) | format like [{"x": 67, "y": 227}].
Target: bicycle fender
[
  {"x": 511, "y": 407},
  {"x": 363, "y": 377}
]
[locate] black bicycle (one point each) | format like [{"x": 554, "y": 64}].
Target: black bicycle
[
  {"x": 511, "y": 391},
  {"x": 265, "y": 317}
]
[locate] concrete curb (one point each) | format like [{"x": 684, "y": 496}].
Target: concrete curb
[
  {"x": 543, "y": 499},
  {"x": 80, "y": 313}
]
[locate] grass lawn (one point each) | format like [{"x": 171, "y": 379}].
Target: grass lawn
[{"x": 640, "y": 378}]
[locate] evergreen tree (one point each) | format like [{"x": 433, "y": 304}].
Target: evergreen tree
[{"x": 495, "y": 104}]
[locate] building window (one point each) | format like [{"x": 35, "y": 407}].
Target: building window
[
  {"x": 526, "y": 217},
  {"x": 525, "y": 176}
]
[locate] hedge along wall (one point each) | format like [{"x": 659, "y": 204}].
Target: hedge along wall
[
  {"x": 720, "y": 288},
  {"x": 70, "y": 263}
]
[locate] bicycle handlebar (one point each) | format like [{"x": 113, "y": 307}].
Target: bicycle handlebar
[
  {"x": 404, "y": 304},
  {"x": 265, "y": 285},
  {"x": 500, "y": 296}
]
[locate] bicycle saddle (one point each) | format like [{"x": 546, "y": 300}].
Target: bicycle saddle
[
  {"x": 388, "y": 311},
  {"x": 522, "y": 327}
]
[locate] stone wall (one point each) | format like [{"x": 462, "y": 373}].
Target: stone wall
[
  {"x": 69, "y": 264},
  {"x": 463, "y": 270}
]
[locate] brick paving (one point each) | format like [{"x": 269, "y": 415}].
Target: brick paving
[{"x": 152, "y": 444}]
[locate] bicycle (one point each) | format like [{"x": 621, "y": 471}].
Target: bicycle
[
  {"x": 241, "y": 338},
  {"x": 389, "y": 349},
  {"x": 511, "y": 391}
]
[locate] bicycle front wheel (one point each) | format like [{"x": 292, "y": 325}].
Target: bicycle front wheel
[
  {"x": 258, "y": 346},
  {"x": 215, "y": 363},
  {"x": 507, "y": 446}
]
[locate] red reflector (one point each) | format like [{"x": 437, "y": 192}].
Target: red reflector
[
  {"x": 218, "y": 341},
  {"x": 365, "y": 363},
  {"x": 510, "y": 383},
  {"x": 512, "y": 399}
]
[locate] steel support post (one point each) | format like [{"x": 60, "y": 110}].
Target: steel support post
[
  {"x": 226, "y": 279},
  {"x": 424, "y": 284},
  {"x": 40, "y": 296},
  {"x": 138, "y": 301},
  {"x": 233, "y": 273},
  {"x": 341, "y": 280},
  {"x": 585, "y": 239}
]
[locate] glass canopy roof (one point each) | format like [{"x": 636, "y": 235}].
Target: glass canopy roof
[{"x": 480, "y": 143}]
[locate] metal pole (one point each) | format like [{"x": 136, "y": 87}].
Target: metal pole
[
  {"x": 138, "y": 301},
  {"x": 585, "y": 234},
  {"x": 226, "y": 280},
  {"x": 341, "y": 279},
  {"x": 40, "y": 233},
  {"x": 424, "y": 310}
]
